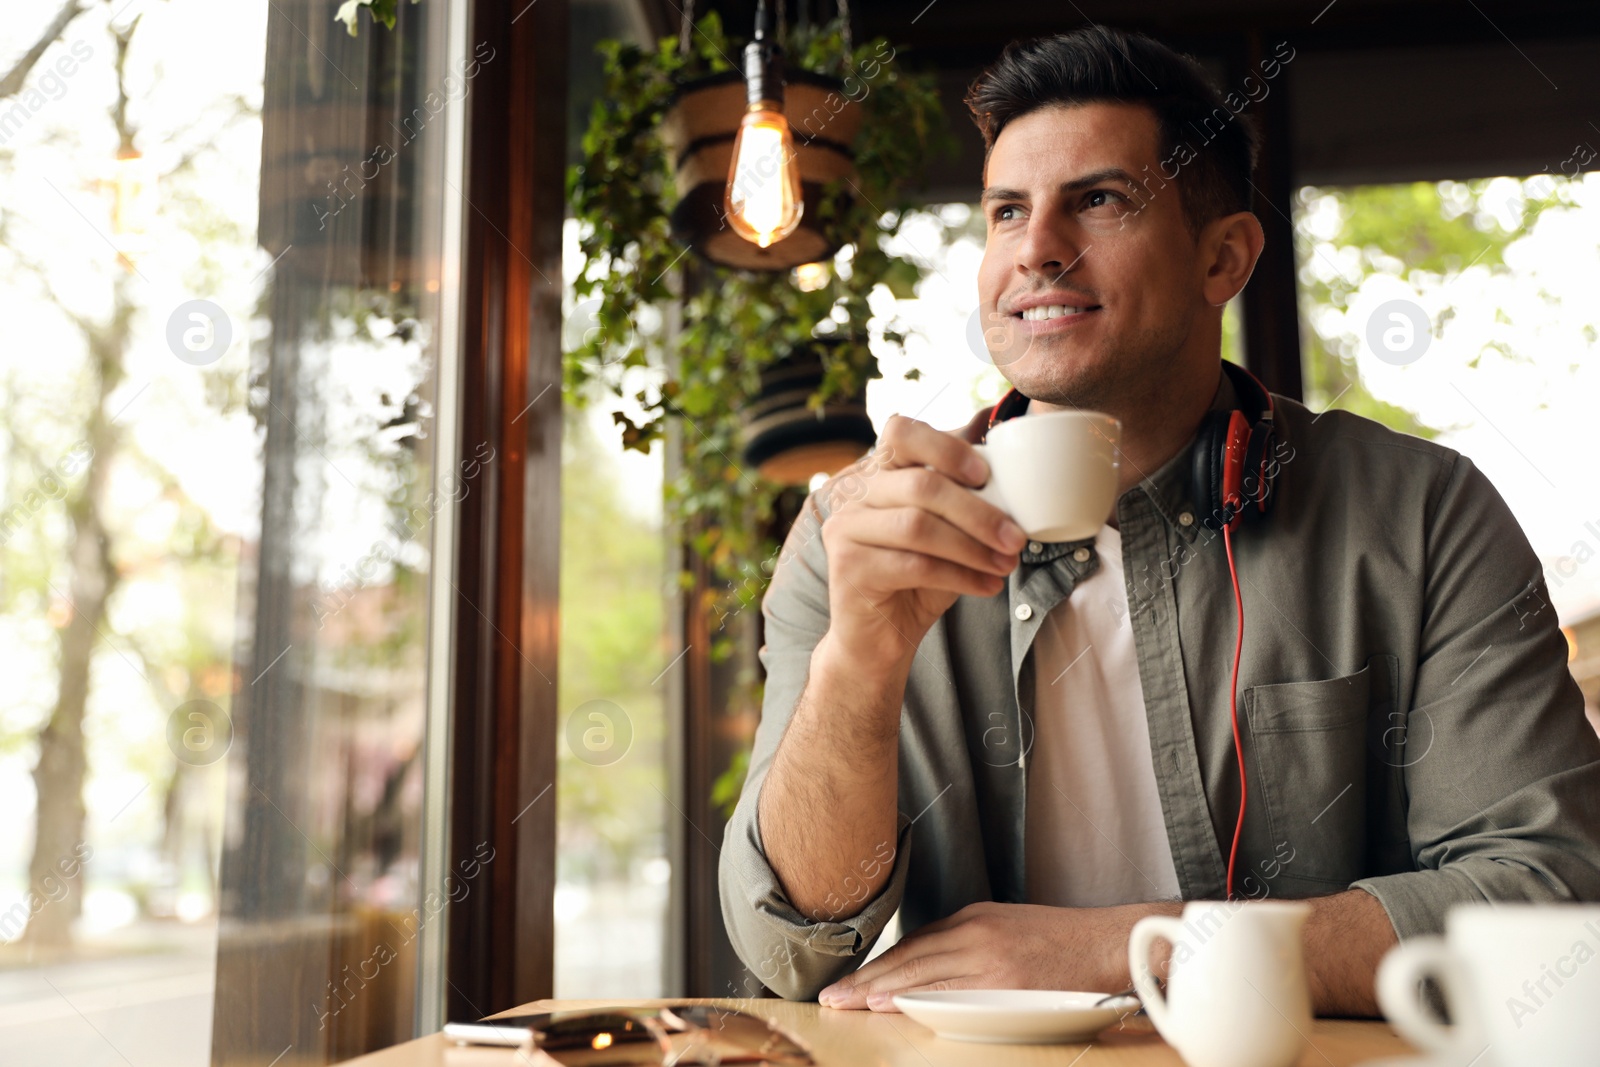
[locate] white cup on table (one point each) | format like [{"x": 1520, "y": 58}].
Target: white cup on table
[
  {"x": 1521, "y": 983},
  {"x": 1236, "y": 987}
]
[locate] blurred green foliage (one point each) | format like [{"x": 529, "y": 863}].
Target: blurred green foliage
[
  {"x": 612, "y": 647},
  {"x": 1420, "y": 231}
]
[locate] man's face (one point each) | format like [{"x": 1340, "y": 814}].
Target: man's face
[{"x": 1076, "y": 219}]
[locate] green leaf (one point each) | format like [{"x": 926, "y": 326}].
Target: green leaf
[{"x": 383, "y": 11}]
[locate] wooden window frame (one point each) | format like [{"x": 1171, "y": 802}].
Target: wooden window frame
[{"x": 504, "y": 700}]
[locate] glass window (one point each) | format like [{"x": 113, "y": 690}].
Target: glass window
[
  {"x": 1463, "y": 311},
  {"x": 613, "y": 872},
  {"x": 225, "y": 459},
  {"x": 612, "y": 869},
  {"x": 129, "y": 279}
]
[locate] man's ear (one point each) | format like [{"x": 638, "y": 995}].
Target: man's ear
[{"x": 1229, "y": 248}]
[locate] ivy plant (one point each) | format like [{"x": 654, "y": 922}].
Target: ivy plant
[
  {"x": 381, "y": 11},
  {"x": 734, "y": 322}
]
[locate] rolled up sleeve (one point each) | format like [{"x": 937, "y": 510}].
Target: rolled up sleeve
[
  {"x": 1502, "y": 769},
  {"x": 792, "y": 955}
]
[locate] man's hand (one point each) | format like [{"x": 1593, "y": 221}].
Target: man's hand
[
  {"x": 899, "y": 553},
  {"x": 914, "y": 541},
  {"x": 1026, "y": 946},
  {"x": 1001, "y": 946}
]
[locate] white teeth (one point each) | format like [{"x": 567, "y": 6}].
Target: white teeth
[{"x": 1050, "y": 311}]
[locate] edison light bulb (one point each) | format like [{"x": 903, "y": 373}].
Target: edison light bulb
[{"x": 763, "y": 199}]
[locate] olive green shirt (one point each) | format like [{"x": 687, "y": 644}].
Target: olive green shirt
[{"x": 1409, "y": 723}]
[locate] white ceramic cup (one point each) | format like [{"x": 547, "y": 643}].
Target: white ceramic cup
[
  {"x": 1055, "y": 474},
  {"x": 1521, "y": 982},
  {"x": 1236, "y": 991}
]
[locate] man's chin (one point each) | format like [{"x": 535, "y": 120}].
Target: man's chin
[
  {"x": 1059, "y": 380},
  {"x": 1019, "y": 347}
]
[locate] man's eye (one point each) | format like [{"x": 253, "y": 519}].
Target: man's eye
[
  {"x": 1000, "y": 212},
  {"x": 1100, "y": 197}
]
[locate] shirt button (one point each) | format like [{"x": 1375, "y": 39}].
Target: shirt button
[
  {"x": 1024, "y": 612},
  {"x": 1081, "y": 555},
  {"x": 1186, "y": 519},
  {"x": 1035, "y": 547}
]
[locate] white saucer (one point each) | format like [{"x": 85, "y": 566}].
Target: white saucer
[{"x": 1012, "y": 1016}]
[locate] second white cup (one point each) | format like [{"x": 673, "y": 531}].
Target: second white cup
[{"x": 1521, "y": 981}]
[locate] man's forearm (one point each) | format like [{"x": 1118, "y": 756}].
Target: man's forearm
[
  {"x": 828, "y": 809},
  {"x": 1346, "y": 937}
]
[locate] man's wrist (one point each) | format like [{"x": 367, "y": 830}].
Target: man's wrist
[
  {"x": 848, "y": 715},
  {"x": 1346, "y": 938},
  {"x": 1119, "y": 929},
  {"x": 868, "y": 676}
]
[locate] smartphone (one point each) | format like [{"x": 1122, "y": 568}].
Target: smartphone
[
  {"x": 511, "y": 1031},
  {"x": 577, "y": 1038}
]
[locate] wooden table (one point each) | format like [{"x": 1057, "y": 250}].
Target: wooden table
[{"x": 867, "y": 1039}]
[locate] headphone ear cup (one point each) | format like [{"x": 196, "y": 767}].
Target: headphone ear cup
[
  {"x": 1206, "y": 464},
  {"x": 1258, "y": 484}
]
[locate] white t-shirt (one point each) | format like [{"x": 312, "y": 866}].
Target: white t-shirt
[{"x": 1095, "y": 833}]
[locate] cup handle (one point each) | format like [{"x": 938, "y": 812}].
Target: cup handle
[
  {"x": 1398, "y": 975},
  {"x": 1145, "y": 933}
]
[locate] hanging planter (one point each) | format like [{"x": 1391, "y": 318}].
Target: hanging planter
[
  {"x": 699, "y": 130},
  {"x": 786, "y": 437},
  {"x": 659, "y": 134}
]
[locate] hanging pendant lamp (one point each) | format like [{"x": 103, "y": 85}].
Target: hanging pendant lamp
[
  {"x": 752, "y": 150},
  {"x": 762, "y": 202}
]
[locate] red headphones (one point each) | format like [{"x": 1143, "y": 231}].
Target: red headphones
[
  {"x": 1232, "y": 475},
  {"x": 1233, "y": 458}
]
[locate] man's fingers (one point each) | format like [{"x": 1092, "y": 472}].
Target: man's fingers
[
  {"x": 894, "y": 957},
  {"x": 931, "y": 491},
  {"x": 909, "y": 443},
  {"x": 911, "y": 529},
  {"x": 893, "y": 972},
  {"x": 914, "y": 972},
  {"x": 895, "y": 570},
  {"x": 884, "y": 1002}
]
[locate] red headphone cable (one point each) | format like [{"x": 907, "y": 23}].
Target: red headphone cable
[{"x": 1233, "y": 693}]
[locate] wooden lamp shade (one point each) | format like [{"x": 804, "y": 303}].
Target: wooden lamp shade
[{"x": 699, "y": 130}]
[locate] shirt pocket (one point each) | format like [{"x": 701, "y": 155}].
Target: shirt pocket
[{"x": 1310, "y": 764}]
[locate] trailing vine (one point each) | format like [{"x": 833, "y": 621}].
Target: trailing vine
[{"x": 734, "y": 322}]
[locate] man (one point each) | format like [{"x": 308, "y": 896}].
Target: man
[{"x": 1025, "y": 748}]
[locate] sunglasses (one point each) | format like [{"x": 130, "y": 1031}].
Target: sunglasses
[{"x": 678, "y": 1034}]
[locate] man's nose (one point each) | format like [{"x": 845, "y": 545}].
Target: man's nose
[{"x": 1049, "y": 247}]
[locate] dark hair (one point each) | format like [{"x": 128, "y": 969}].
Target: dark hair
[{"x": 1100, "y": 65}]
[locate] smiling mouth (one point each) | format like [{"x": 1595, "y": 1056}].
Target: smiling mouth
[{"x": 1046, "y": 312}]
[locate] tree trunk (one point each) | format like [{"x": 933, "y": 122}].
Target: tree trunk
[{"x": 54, "y": 876}]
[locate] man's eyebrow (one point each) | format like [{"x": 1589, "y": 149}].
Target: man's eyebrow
[{"x": 1107, "y": 174}]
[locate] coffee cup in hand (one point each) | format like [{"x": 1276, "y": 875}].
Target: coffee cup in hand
[{"x": 1055, "y": 473}]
